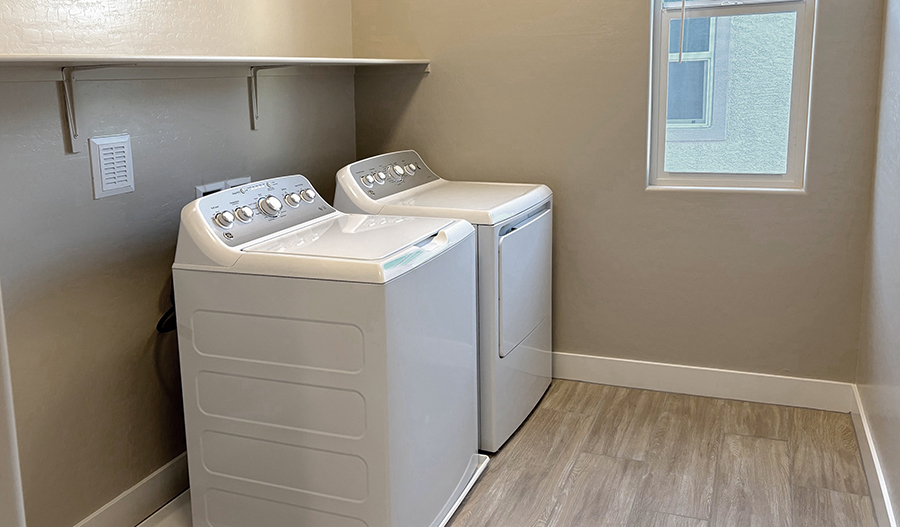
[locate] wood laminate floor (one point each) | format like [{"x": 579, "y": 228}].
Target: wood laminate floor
[{"x": 602, "y": 456}]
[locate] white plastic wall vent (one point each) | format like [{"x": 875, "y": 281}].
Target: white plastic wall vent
[{"x": 111, "y": 165}]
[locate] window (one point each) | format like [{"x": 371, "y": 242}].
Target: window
[{"x": 730, "y": 95}]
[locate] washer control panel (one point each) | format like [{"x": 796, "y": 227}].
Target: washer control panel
[
  {"x": 388, "y": 174},
  {"x": 242, "y": 214}
]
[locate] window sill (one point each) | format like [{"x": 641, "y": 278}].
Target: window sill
[{"x": 739, "y": 190}]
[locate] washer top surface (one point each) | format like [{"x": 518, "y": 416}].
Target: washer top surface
[
  {"x": 282, "y": 227},
  {"x": 418, "y": 191},
  {"x": 353, "y": 237}
]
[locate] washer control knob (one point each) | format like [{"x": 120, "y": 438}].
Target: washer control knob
[
  {"x": 380, "y": 177},
  {"x": 308, "y": 195},
  {"x": 270, "y": 206},
  {"x": 397, "y": 171},
  {"x": 367, "y": 180},
  {"x": 224, "y": 219},
  {"x": 293, "y": 199},
  {"x": 411, "y": 169},
  {"x": 243, "y": 214}
]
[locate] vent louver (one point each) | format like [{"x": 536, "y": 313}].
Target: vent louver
[{"x": 111, "y": 165}]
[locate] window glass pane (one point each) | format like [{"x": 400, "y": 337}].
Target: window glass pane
[
  {"x": 687, "y": 90},
  {"x": 751, "y": 74},
  {"x": 696, "y": 35}
]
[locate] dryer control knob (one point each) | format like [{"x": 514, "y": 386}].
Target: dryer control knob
[
  {"x": 411, "y": 169},
  {"x": 293, "y": 199},
  {"x": 270, "y": 206},
  {"x": 224, "y": 219},
  {"x": 308, "y": 195},
  {"x": 244, "y": 214}
]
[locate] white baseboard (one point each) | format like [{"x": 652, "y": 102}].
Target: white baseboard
[
  {"x": 884, "y": 512},
  {"x": 140, "y": 501},
  {"x": 706, "y": 382},
  {"x": 744, "y": 386}
]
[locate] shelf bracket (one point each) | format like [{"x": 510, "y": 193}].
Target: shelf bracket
[
  {"x": 68, "y": 80},
  {"x": 254, "y": 92}
]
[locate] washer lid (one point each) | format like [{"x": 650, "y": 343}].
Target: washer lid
[
  {"x": 478, "y": 202},
  {"x": 353, "y": 237}
]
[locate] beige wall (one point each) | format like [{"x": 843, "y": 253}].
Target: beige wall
[
  {"x": 879, "y": 365},
  {"x": 556, "y": 91},
  {"x": 97, "y": 393},
  {"x": 177, "y": 27}
]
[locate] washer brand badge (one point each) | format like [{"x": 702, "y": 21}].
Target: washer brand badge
[
  {"x": 228, "y": 236},
  {"x": 371, "y": 192}
]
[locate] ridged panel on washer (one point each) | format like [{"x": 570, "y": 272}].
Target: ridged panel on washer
[
  {"x": 298, "y": 406},
  {"x": 293, "y": 467},
  {"x": 292, "y": 342},
  {"x": 225, "y": 509}
]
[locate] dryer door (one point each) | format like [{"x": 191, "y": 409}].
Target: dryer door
[{"x": 525, "y": 276}]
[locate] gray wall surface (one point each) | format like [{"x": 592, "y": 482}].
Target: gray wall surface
[
  {"x": 557, "y": 92},
  {"x": 12, "y": 511},
  {"x": 97, "y": 393},
  {"x": 879, "y": 362}
]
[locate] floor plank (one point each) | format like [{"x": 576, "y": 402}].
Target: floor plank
[
  {"x": 824, "y": 452},
  {"x": 599, "y": 492},
  {"x": 625, "y": 423},
  {"x": 658, "y": 519},
  {"x": 575, "y": 397},
  {"x": 757, "y": 420},
  {"x": 753, "y": 483},
  {"x": 818, "y": 507},
  {"x": 682, "y": 457},
  {"x": 523, "y": 482}
]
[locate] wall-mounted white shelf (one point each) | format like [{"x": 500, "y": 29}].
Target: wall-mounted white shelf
[
  {"x": 194, "y": 61},
  {"x": 69, "y": 64}
]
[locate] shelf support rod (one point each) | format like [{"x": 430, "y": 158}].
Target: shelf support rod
[
  {"x": 254, "y": 92},
  {"x": 68, "y": 80}
]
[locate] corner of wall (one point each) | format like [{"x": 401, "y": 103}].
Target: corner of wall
[{"x": 12, "y": 508}]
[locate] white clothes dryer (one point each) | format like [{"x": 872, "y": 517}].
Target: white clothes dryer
[
  {"x": 515, "y": 237},
  {"x": 328, "y": 361}
]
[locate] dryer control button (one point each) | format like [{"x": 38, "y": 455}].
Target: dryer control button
[
  {"x": 224, "y": 219},
  {"x": 244, "y": 214},
  {"x": 308, "y": 195},
  {"x": 293, "y": 199},
  {"x": 270, "y": 206}
]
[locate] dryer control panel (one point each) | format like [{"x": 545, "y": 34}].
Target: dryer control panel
[
  {"x": 243, "y": 214},
  {"x": 388, "y": 174}
]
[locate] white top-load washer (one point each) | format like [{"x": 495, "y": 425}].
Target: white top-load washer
[
  {"x": 514, "y": 224},
  {"x": 328, "y": 361}
]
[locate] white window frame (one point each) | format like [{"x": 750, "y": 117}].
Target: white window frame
[{"x": 794, "y": 178}]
